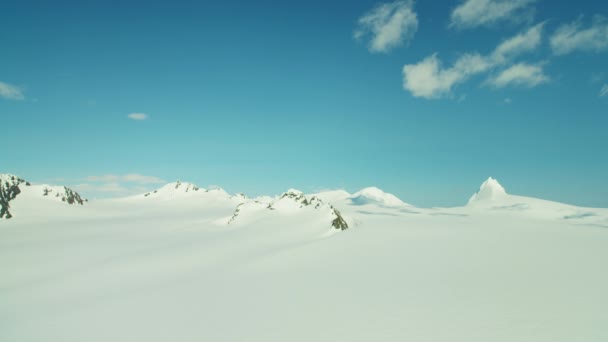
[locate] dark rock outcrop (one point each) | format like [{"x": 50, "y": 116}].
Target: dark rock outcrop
[{"x": 9, "y": 189}]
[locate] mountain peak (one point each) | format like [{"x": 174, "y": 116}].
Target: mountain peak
[
  {"x": 490, "y": 189},
  {"x": 171, "y": 189},
  {"x": 374, "y": 195}
]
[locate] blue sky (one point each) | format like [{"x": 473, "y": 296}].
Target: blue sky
[{"x": 422, "y": 99}]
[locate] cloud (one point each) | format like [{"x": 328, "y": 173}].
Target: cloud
[
  {"x": 604, "y": 90},
  {"x": 116, "y": 185},
  {"x": 508, "y": 100},
  {"x": 131, "y": 178},
  {"x": 519, "y": 44},
  {"x": 597, "y": 77},
  {"x": 475, "y": 13},
  {"x": 521, "y": 74},
  {"x": 571, "y": 37},
  {"x": 112, "y": 187},
  {"x": 389, "y": 25},
  {"x": 138, "y": 116},
  {"x": 428, "y": 79},
  {"x": 11, "y": 92}
]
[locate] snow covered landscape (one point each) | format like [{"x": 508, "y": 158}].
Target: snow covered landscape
[
  {"x": 303, "y": 171},
  {"x": 184, "y": 263}
]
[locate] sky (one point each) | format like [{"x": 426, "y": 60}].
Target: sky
[{"x": 423, "y": 99}]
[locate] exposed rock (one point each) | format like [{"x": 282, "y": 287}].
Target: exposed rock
[
  {"x": 339, "y": 222},
  {"x": 64, "y": 193},
  {"x": 236, "y": 213},
  {"x": 9, "y": 189}
]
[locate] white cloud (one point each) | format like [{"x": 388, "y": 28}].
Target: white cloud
[
  {"x": 116, "y": 185},
  {"x": 138, "y": 116},
  {"x": 389, "y": 25},
  {"x": 521, "y": 74},
  {"x": 11, "y": 92},
  {"x": 570, "y": 37},
  {"x": 519, "y": 44},
  {"x": 132, "y": 178},
  {"x": 428, "y": 79},
  {"x": 604, "y": 90},
  {"x": 112, "y": 187},
  {"x": 474, "y": 13},
  {"x": 508, "y": 100}
]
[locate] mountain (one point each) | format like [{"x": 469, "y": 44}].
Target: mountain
[
  {"x": 290, "y": 202},
  {"x": 180, "y": 189},
  {"x": 12, "y": 187},
  {"x": 332, "y": 209},
  {"x": 492, "y": 198},
  {"x": 488, "y": 191},
  {"x": 173, "y": 189},
  {"x": 373, "y": 195}
]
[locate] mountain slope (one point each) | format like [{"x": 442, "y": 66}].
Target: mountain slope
[
  {"x": 492, "y": 198},
  {"x": 13, "y": 188}
]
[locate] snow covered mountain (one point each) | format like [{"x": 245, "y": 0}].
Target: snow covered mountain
[
  {"x": 489, "y": 190},
  {"x": 183, "y": 198},
  {"x": 492, "y": 198},
  {"x": 373, "y": 195},
  {"x": 12, "y": 187},
  {"x": 171, "y": 189},
  {"x": 289, "y": 203}
]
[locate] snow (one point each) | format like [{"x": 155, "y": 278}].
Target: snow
[
  {"x": 509, "y": 268},
  {"x": 373, "y": 195},
  {"x": 331, "y": 196},
  {"x": 175, "y": 189}
]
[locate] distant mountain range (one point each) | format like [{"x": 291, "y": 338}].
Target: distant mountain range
[{"x": 32, "y": 199}]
